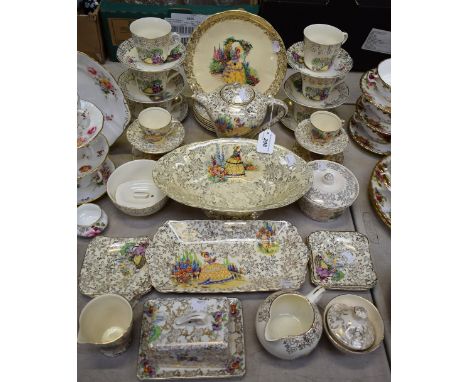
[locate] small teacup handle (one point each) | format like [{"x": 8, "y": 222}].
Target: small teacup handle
[
  {"x": 281, "y": 111},
  {"x": 176, "y": 39},
  {"x": 176, "y": 101},
  {"x": 345, "y": 37},
  {"x": 316, "y": 294}
]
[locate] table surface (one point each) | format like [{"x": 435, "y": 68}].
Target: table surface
[{"x": 325, "y": 363}]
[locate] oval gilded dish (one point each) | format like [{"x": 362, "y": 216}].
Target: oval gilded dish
[
  {"x": 229, "y": 175},
  {"x": 235, "y": 46}
]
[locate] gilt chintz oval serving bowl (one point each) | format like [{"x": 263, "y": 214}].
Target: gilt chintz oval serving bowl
[{"x": 229, "y": 176}]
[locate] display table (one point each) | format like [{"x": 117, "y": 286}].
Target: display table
[{"x": 325, "y": 363}]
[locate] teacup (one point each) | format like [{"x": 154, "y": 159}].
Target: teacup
[
  {"x": 318, "y": 89},
  {"x": 384, "y": 82},
  {"x": 91, "y": 220},
  {"x": 322, "y": 43},
  {"x": 106, "y": 321},
  {"x": 155, "y": 123},
  {"x": 153, "y": 39},
  {"x": 325, "y": 125},
  {"x": 152, "y": 83},
  {"x": 171, "y": 105}
]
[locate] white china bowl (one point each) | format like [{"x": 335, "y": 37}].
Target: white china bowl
[
  {"x": 91, "y": 220},
  {"x": 374, "y": 317},
  {"x": 132, "y": 176}
]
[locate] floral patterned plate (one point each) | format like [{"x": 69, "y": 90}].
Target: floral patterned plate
[
  {"x": 128, "y": 56},
  {"x": 341, "y": 260},
  {"x": 228, "y": 176},
  {"x": 154, "y": 327},
  {"x": 96, "y": 85},
  {"x": 170, "y": 141},
  {"x": 373, "y": 121},
  {"x": 369, "y": 88},
  {"x": 115, "y": 265},
  {"x": 360, "y": 134},
  {"x": 293, "y": 89},
  {"x": 213, "y": 256},
  {"x": 342, "y": 63},
  {"x": 95, "y": 121},
  {"x": 379, "y": 189},
  {"x": 89, "y": 158},
  {"x": 97, "y": 184},
  {"x": 303, "y": 134},
  {"x": 132, "y": 92},
  {"x": 235, "y": 46}
]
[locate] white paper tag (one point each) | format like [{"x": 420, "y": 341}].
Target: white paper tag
[
  {"x": 266, "y": 142},
  {"x": 378, "y": 40}
]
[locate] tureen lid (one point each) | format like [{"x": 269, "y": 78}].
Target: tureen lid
[
  {"x": 237, "y": 94},
  {"x": 334, "y": 186},
  {"x": 350, "y": 326}
]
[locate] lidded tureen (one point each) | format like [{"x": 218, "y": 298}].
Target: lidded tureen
[
  {"x": 237, "y": 110},
  {"x": 334, "y": 188}
]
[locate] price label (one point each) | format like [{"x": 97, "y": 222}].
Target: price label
[{"x": 266, "y": 142}]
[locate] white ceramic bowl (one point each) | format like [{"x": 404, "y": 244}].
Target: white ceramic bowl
[
  {"x": 132, "y": 190},
  {"x": 91, "y": 220}
]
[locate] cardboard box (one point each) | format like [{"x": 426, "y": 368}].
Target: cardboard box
[
  {"x": 116, "y": 16},
  {"x": 89, "y": 36}
]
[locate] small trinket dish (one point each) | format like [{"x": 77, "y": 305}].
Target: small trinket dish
[
  {"x": 116, "y": 265},
  {"x": 91, "y": 157},
  {"x": 86, "y": 132},
  {"x": 91, "y": 220},
  {"x": 191, "y": 338},
  {"x": 106, "y": 322},
  {"x": 334, "y": 189},
  {"x": 341, "y": 260},
  {"x": 93, "y": 186},
  {"x": 353, "y": 324},
  {"x": 132, "y": 190},
  {"x": 169, "y": 142},
  {"x": 304, "y": 136}
]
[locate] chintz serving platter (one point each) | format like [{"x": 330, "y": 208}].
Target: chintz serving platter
[{"x": 213, "y": 256}]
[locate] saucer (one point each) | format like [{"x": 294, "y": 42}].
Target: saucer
[
  {"x": 369, "y": 88},
  {"x": 341, "y": 65},
  {"x": 293, "y": 89},
  {"x": 132, "y": 92},
  {"x": 93, "y": 220},
  {"x": 96, "y": 188},
  {"x": 362, "y": 138},
  {"x": 128, "y": 56},
  {"x": 372, "y": 119},
  {"x": 169, "y": 142},
  {"x": 178, "y": 111},
  {"x": 150, "y": 369},
  {"x": 379, "y": 192},
  {"x": 96, "y": 121},
  {"x": 90, "y": 157},
  {"x": 303, "y": 134}
]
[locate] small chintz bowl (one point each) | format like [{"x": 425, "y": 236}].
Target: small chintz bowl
[
  {"x": 91, "y": 220},
  {"x": 132, "y": 189}
]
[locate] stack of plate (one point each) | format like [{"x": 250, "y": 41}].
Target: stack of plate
[
  {"x": 380, "y": 190},
  {"x": 370, "y": 126}
]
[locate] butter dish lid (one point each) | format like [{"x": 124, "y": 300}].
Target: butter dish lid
[
  {"x": 334, "y": 185},
  {"x": 180, "y": 323}
]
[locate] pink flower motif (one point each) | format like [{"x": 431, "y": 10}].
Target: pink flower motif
[
  {"x": 91, "y": 130},
  {"x": 109, "y": 117},
  {"x": 92, "y": 70},
  {"x": 93, "y": 231}
]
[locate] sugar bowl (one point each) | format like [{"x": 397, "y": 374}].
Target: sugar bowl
[{"x": 288, "y": 324}]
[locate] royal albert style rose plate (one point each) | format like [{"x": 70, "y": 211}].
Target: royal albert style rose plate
[
  {"x": 369, "y": 88},
  {"x": 379, "y": 189},
  {"x": 212, "y": 346},
  {"x": 229, "y": 176},
  {"x": 362, "y": 135},
  {"x": 235, "y": 46},
  {"x": 224, "y": 256},
  {"x": 341, "y": 260},
  {"x": 96, "y": 85},
  {"x": 115, "y": 265},
  {"x": 368, "y": 112}
]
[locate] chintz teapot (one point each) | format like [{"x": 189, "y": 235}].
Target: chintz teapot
[
  {"x": 288, "y": 324},
  {"x": 238, "y": 110}
]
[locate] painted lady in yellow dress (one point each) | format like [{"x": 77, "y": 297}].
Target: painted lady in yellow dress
[{"x": 234, "y": 71}]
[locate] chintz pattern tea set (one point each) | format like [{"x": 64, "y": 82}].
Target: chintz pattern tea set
[{"x": 232, "y": 180}]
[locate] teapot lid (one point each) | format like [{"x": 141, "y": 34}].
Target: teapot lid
[
  {"x": 350, "y": 326},
  {"x": 237, "y": 94},
  {"x": 334, "y": 186}
]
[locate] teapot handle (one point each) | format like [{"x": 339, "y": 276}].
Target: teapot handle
[
  {"x": 281, "y": 112},
  {"x": 316, "y": 294}
]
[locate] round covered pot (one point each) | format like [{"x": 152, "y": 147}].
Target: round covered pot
[
  {"x": 132, "y": 190},
  {"x": 334, "y": 189}
]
